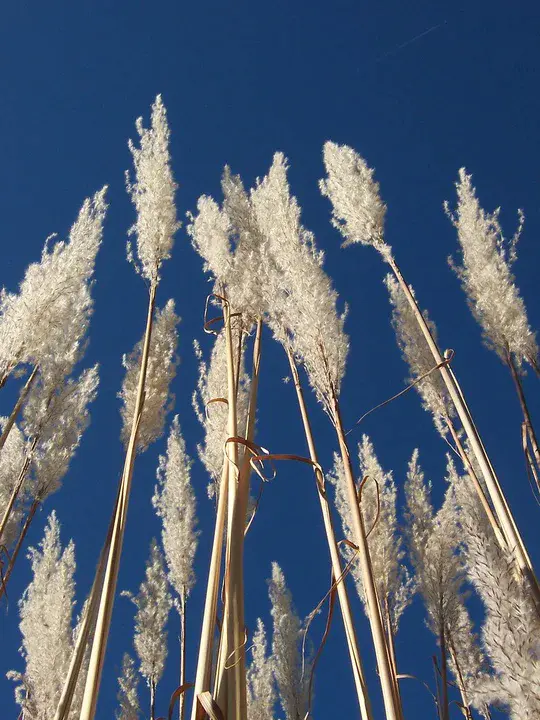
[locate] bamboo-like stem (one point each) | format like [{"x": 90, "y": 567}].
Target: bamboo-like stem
[
  {"x": 87, "y": 627},
  {"x": 350, "y": 633},
  {"x": 17, "y": 548},
  {"x": 391, "y": 645},
  {"x": 17, "y": 407},
  {"x": 232, "y": 662},
  {"x": 466, "y": 709},
  {"x": 524, "y": 409},
  {"x": 182, "y": 678},
  {"x": 471, "y": 472},
  {"x": 392, "y": 705},
  {"x": 103, "y": 622},
  {"x": 445, "y": 708},
  {"x": 204, "y": 662},
  {"x": 500, "y": 505},
  {"x": 152, "y": 700},
  {"x": 18, "y": 486}
]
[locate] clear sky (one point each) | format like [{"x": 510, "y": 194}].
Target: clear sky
[{"x": 420, "y": 89}]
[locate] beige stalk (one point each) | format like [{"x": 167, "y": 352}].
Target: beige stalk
[
  {"x": 500, "y": 505},
  {"x": 350, "y": 633},
  {"x": 106, "y": 602},
  {"x": 392, "y": 704}
]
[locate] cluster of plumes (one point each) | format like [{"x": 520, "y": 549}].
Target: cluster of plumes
[
  {"x": 174, "y": 501},
  {"x": 262, "y": 230},
  {"x": 418, "y": 356},
  {"x": 301, "y": 302},
  {"x": 291, "y": 671},
  {"x": 434, "y": 540},
  {"x": 378, "y": 504},
  {"x": 161, "y": 369},
  {"x": 47, "y": 320},
  {"x": 211, "y": 405},
  {"x": 486, "y": 275},
  {"x": 357, "y": 209},
  {"x": 56, "y": 414},
  {"x": 261, "y": 690},
  {"x": 153, "y": 603},
  {"x": 128, "y": 700},
  {"x": 153, "y": 192},
  {"x": 12, "y": 458},
  {"x": 46, "y": 610},
  {"x": 511, "y": 626}
]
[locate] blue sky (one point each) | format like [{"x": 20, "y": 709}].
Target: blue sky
[{"x": 420, "y": 89}]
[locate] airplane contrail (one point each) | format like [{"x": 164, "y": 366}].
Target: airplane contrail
[{"x": 390, "y": 53}]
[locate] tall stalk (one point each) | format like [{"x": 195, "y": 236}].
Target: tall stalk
[
  {"x": 231, "y": 671},
  {"x": 524, "y": 409},
  {"x": 103, "y": 622},
  {"x": 86, "y": 628},
  {"x": 152, "y": 700},
  {"x": 391, "y": 644},
  {"x": 392, "y": 704},
  {"x": 204, "y": 662},
  {"x": 350, "y": 633},
  {"x": 500, "y": 505},
  {"x": 18, "y": 405}
]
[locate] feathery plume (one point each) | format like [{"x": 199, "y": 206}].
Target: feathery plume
[
  {"x": 511, "y": 626},
  {"x": 174, "y": 501},
  {"x": 153, "y": 603},
  {"x": 357, "y": 209},
  {"x": 46, "y": 611},
  {"x": 57, "y": 414},
  {"x": 434, "y": 540},
  {"x": 418, "y": 356},
  {"x": 152, "y": 192},
  {"x": 128, "y": 700},
  {"x": 287, "y": 628},
  {"x": 378, "y": 505},
  {"x": 486, "y": 276},
  {"x": 261, "y": 692},
  {"x": 162, "y": 363},
  {"x": 300, "y": 299},
  {"x": 47, "y": 320}
]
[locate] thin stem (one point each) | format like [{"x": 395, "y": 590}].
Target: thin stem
[
  {"x": 445, "y": 709},
  {"x": 460, "y": 681},
  {"x": 392, "y": 705},
  {"x": 500, "y": 505},
  {"x": 471, "y": 472},
  {"x": 99, "y": 644},
  {"x": 391, "y": 644},
  {"x": 17, "y": 407},
  {"x": 231, "y": 668},
  {"x": 18, "y": 486},
  {"x": 182, "y": 699},
  {"x": 524, "y": 408},
  {"x": 17, "y": 548},
  {"x": 152, "y": 700},
  {"x": 86, "y": 628},
  {"x": 350, "y": 633},
  {"x": 204, "y": 662}
]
